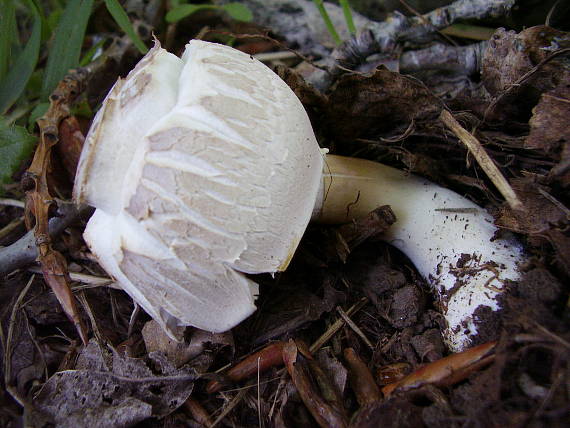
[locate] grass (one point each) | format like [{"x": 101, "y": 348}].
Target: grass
[{"x": 27, "y": 77}]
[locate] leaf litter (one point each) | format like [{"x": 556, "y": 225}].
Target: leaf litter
[{"x": 131, "y": 374}]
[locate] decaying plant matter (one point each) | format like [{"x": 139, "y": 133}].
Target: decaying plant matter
[
  {"x": 39, "y": 201},
  {"x": 501, "y": 141}
]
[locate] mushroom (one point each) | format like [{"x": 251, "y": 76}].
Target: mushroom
[{"x": 205, "y": 168}]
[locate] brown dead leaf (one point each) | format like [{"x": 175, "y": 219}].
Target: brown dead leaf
[
  {"x": 549, "y": 130},
  {"x": 510, "y": 56},
  {"x": 539, "y": 215},
  {"x": 543, "y": 217},
  {"x": 70, "y": 144},
  {"x": 180, "y": 353},
  {"x": 119, "y": 391},
  {"x": 294, "y": 306},
  {"x": 307, "y": 94},
  {"x": 364, "y": 105}
]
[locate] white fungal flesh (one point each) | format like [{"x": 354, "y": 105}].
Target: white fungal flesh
[
  {"x": 449, "y": 239},
  {"x": 200, "y": 168}
]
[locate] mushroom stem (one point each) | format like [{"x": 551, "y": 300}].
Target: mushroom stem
[{"x": 450, "y": 240}]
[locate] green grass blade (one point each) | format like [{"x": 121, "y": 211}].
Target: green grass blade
[
  {"x": 7, "y": 17},
  {"x": 326, "y": 18},
  {"x": 348, "y": 16},
  {"x": 238, "y": 11},
  {"x": 16, "y": 145},
  {"x": 66, "y": 48},
  {"x": 12, "y": 86},
  {"x": 122, "y": 20},
  {"x": 90, "y": 54},
  {"x": 184, "y": 10}
]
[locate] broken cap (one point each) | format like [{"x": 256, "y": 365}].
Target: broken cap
[{"x": 202, "y": 168}]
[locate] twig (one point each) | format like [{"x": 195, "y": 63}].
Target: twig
[
  {"x": 425, "y": 21},
  {"x": 267, "y": 357},
  {"x": 87, "y": 308},
  {"x": 133, "y": 318},
  {"x": 274, "y": 56},
  {"x": 39, "y": 200},
  {"x": 300, "y": 24},
  {"x": 272, "y": 40},
  {"x": 461, "y": 59},
  {"x": 235, "y": 401},
  {"x": 555, "y": 202},
  {"x": 354, "y": 327},
  {"x": 552, "y": 336},
  {"x": 12, "y": 203},
  {"x": 325, "y": 414},
  {"x": 446, "y": 371},
  {"x": 483, "y": 159},
  {"x": 336, "y": 326},
  {"x": 90, "y": 281},
  {"x": 385, "y": 36},
  {"x": 25, "y": 251}
]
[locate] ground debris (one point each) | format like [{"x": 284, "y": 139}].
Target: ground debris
[
  {"x": 389, "y": 327},
  {"x": 111, "y": 390},
  {"x": 365, "y": 105},
  {"x": 519, "y": 67}
]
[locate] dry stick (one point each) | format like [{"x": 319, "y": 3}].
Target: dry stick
[
  {"x": 89, "y": 281},
  {"x": 87, "y": 308},
  {"x": 267, "y": 357},
  {"x": 271, "y": 355},
  {"x": 483, "y": 159},
  {"x": 37, "y": 243},
  {"x": 384, "y": 37},
  {"x": 12, "y": 203},
  {"x": 466, "y": 31},
  {"x": 25, "y": 251},
  {"x": 354, "y": 327},
  {"x": 555, "y": 202},
  {"x": 324, "y": 413},
  {"x": 553, "y": 336},
  {"x": 235, "y": 401},
  {"x": 460, "y": 59},
  {"x": 452, "y": 368},
  {"x": 301, "y": 29},
  {"x": 426, "y": 22},
  {"x": 39, "y": 200},
  {"x": 336, "y": 326}
]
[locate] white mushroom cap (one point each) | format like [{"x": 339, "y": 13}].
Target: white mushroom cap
[{"x": 200, "y": 168}]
